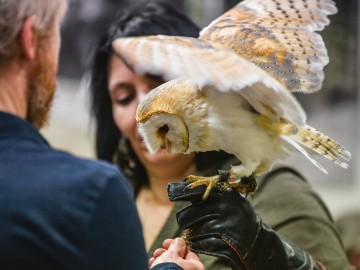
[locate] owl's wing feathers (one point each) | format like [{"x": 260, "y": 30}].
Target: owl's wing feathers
[
  {"x": 279, "y": 37},
  {"x": 209, "y": 64},
  {"x": 173, "y": 57}
]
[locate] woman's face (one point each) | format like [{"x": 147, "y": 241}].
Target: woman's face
[{"x": 126, "y": 90}]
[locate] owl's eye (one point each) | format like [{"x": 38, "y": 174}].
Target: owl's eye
[{"x": 164, "y": 129}]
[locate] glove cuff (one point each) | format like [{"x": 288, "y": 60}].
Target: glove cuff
[{"x": 272, "y": 251}]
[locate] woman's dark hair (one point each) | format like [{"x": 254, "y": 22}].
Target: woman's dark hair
[{"x": 145, "y": 18}]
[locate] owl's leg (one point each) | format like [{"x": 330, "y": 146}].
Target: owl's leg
[
  {"x": 196, "y": 178},
  {"x": 242, "y": 177},
  {"x": 246, "y": 169},
  {"x": 245, "y": 185}
]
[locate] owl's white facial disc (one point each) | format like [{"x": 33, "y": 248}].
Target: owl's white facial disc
[{"x": 165, "y": 131}]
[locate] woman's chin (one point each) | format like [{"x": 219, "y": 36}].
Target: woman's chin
[{"x": 161, "y": 156}]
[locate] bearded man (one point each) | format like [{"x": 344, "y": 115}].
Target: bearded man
[{"x": 56, "y": 211}]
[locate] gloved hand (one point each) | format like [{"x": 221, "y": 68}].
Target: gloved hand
[{"x": 225, "y": 225}]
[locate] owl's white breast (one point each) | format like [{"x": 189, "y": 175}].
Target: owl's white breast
[{"x": 234, "y": 129}]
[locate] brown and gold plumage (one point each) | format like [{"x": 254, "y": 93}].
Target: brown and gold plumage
[{"x": 230, "y": 89}]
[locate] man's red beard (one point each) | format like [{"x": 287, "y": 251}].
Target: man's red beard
[{"x": 41, "y": 87}]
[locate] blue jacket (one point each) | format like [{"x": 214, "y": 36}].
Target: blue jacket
[{"x": 62, "y": 212}]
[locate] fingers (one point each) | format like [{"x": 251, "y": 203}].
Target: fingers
[
  {"x": 167, "y": 243},
  {"x": 178, "y": 246},
  {"x": 151, "y": 261},
  {"x": 158, "y": 252},
  {"x": 176, "y": 252}
]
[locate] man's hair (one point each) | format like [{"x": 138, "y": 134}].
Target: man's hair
[{"x": 13, "y": 13}]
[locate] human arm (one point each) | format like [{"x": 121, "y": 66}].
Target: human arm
[
  {"x": 288, "y": 204},
  {"x": 226, "y": 225},
  {"x": 114, "y": 238}
]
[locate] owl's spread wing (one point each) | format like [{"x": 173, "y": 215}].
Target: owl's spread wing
[
  {"x": 173, "y": 57},
  {"x": 207, "y": 63},
  {"x": 278, "y": 36}
]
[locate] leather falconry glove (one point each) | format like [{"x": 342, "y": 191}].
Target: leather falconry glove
[{"x": 225, "y": 225}]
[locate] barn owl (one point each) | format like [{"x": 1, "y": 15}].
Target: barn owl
[{"x": 231, "y": 88}]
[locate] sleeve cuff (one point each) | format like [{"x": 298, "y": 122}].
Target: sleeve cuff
[{"x": 167, "y": 266}]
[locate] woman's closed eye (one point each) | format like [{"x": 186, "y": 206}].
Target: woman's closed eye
[
  {"x": 122, "y": 94},
  {"x": 124, "y": 100}
]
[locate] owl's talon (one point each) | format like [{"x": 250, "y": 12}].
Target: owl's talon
[
  {"x": 186, "y": 236},
  {"x": 246, "y": 185},
  {"x": 209, "y": 182},
  {"x": 221, "y": 182}
]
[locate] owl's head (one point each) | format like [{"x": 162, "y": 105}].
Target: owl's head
[
  {"x": 165, "y": 131},
  {"x": 169, "y": 117}
]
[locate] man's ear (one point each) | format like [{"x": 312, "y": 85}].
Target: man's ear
[{"x": 28, "y": 39}]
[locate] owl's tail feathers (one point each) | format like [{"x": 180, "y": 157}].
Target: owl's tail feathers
[{"x": 307, "y": 139}]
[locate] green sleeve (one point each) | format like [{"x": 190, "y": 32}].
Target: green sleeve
[{"x": 288, "y": 204}]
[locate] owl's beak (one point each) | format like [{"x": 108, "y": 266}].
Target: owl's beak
[{"x": 166, "y": 144}]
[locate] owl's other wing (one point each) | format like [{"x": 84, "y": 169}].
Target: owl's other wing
[
  {"x": 278, "y": 36},
  {"x": 206, "y": 64}
]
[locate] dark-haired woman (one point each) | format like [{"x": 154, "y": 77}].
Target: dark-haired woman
[{"x": 284, "y": 200}]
